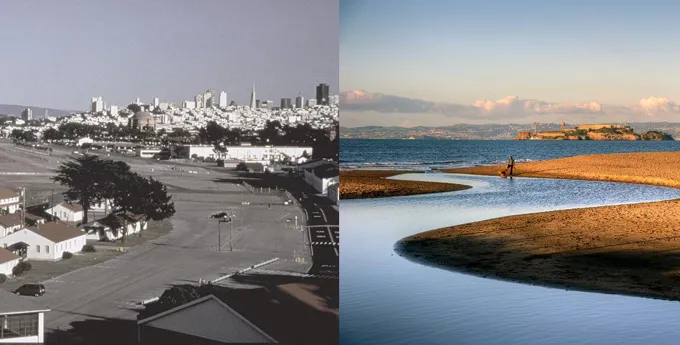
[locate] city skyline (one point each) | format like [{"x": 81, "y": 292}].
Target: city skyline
[
  {"x": 284, "y": 48},
  {"x": 578, "y": 61}
]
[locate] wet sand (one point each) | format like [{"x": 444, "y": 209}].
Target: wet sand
[
  {"x": 362, "y": 184},
  {"x": 653, "y": 168},
  {"x": 623, "y": 249}
]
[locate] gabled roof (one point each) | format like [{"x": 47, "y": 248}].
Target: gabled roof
[
  {"x": 210, "y": 318},
  {"x": 6, "y": 256},
  {"x": 72, "y": 207},
  {"x": 9, "y": 220},
  {"x": 13, "y": 304},
  {"x": 6, "y": 193},
  {"x": 57, "y": 231},
  {"x": 115, "y": 221}
]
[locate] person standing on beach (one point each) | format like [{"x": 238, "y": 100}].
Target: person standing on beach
[{"x": 511, "y": 166}]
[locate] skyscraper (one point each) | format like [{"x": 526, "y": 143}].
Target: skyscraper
[
  {"x": 27, "y": 114},
  {"x": 113, "y": 111},
  {"x": 97, "y": 105},
  {"x": 156, "y": 102},
  {"x": 322, "y": 94},
  {"x": 208, "y": 98},
  {"x": 252, "y": 98},
  {"x": 299, "y": 101},
  {"x": 223, "y": 100},
  {"x": 258, "y": 104},
  {"x": 200, "y": 101},
  {"x": 286, "y": 103}
]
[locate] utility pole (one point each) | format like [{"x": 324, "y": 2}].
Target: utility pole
[
  {"x": 23, "y": 211},
  {"x": 52, "y": 204}
]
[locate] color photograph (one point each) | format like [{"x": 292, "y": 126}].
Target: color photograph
[{"x": 509, "y": 172}]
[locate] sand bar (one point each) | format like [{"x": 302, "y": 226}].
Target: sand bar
[
  {"x": 623, "y": 249},
  {"x": 361, "y": 184}
]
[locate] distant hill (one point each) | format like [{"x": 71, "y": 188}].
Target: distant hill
[
  {"x": 38, "y": 112},
  {"x": 481, "y": 132}
]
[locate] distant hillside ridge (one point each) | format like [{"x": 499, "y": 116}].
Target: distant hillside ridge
[
  {"x": 38, "y": 112},
  {"x": 463, "y": 131}
]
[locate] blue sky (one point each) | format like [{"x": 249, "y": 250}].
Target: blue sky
[
  {"x": 611, "y": 52},
  {"x": 58, "y": 54}
]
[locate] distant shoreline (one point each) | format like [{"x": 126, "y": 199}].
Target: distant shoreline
[
  {"x": 365, "y": 184},
  {"x": 623, "y": 249}
]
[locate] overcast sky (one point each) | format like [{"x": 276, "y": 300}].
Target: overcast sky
[
  {"x": 563, "y": 55},
  {"x": 59, "y": 54}
]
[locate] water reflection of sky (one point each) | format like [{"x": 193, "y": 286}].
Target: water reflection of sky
[{"x": 386, "y": 299}]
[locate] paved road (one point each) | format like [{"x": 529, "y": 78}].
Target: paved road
[
  {"x": 263, "y": 229},
  {"x": 322, "y": 220}
]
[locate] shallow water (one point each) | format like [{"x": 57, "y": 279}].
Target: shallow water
[{"x": 386, "y": 299}]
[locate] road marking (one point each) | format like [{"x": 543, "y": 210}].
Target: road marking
[{"x": 325, "y": 244}]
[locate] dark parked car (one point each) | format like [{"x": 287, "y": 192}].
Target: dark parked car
[{"x": 31, "y": 290}]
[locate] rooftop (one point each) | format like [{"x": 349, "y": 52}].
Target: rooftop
[
  {"x": 57, "y": 231},
  {"x": 6, "y": 193},
  {"x": 6, "y": 256}
]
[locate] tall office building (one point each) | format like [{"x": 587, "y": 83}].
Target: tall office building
[
  {"x": 138, "y": 102},
  {"x": 223, "y": 99},
  {"x": 208, "y": 98},
  {"x": 311, "y": 103},
  {"x": 113, "y": 111},
  {"x": 286, "y": 103},
  {"x": 97, "y": 105},
  {"x": 27, "y": 114},
  {"x": 156, "y": 102},
  {"x": 322, "y": 94},
  {"x": 252, "y": 97},
  {"x": 258, "y": 104},
  {"x": 299, "y": 101},
  {"x": 200, "y": 101}
]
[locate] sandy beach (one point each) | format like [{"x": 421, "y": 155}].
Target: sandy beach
[
  {"x": 653, "y": 168},
  {"x": 626, "y": 249},
  {"x": 361, "y": 184}
]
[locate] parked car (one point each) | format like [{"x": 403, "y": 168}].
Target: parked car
[{"x": 31, "y": 290}]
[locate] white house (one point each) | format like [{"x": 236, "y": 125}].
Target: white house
[
  {"x": 82, "y": 141},
  {"x": 111, "y": 227},
  {"x": 334, "y": 193},
  {"x": 22, "y": 319},
  {"x": 47, "y": 241},
  {"x": 67, "y": 212},
  {"x": 8, "y": 261},
  {"x": 9, "y": 200},
  {"x": 102, "y": 206},
  {"x": 9, "y": 223},
  {"x": 322, "y": 176}
]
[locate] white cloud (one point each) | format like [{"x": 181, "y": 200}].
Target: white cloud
[{"x": 513, "y": 108}]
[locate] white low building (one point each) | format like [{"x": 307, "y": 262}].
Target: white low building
[
  {"x": 103, "y": 206},
  {"x": 334, "y": 193},
  {"x": 9, "y": 200},
  {"x": 8, "y": 261},
  {"x": 322, "y": 176},
  {"x": 9, "y": 223},
  {"x": 260, "y": 154},
  {"x": 111, "y": 227},
  {"x": 67, "y": 212},
  {"x": 47, "y": 241},
  {"x": 23, "y": 319}
]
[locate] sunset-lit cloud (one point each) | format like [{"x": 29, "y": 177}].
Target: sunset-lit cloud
[{"x": 510, "y": 109}]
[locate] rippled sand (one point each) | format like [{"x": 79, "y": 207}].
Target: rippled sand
[
  {"x": 626, "y": 249},
  {"x": 360, "y": 184}
]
